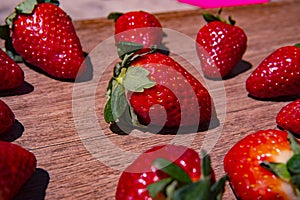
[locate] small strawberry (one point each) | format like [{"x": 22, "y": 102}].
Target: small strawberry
[
  {"x": 277, "y": 75},
  {"x": 154, "y": 89},
  {"x": 220, "y": 46},
  {"x": 16, "y": 167},
  {"x": 138, "y": 27},
  {"x": 11, "y": 74},
  {"x": 7, "y": 117},
  {"x": 265, "y": 165},
  {"x": 288, "y": 117},
  {"x": 170, "y": 172},
  {"x": 44, "y": 36}
]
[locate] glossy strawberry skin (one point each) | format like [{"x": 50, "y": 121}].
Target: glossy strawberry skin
[
  {"x": 135, "y": 178},
  {"x": 47, "y": 40},
  {"x": 139, "y": 27},
  {"x": 183, "y": 100},
  {"x": 288, "y": 117},
  {"x": 16, "y": 167},
  {"x": 7, "y": 117},
  {"x": 277, "y": 75},
  {"x": 220, "y": 48},
  {"x": 248, "y": 179},
  {"x": 11, "y": 74}
]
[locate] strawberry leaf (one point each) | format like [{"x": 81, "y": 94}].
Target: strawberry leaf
[
  {"x": 158, "y": 186},
  {"x": 293, "y": 143},
  {"x": 118, "y": 101},
  {"x": 172, "y": 170},
  {"x": 205, "y": 165},
  {"x": 124, "y": 48},
  {"x": 218, "y": 188},
  {"x": 296, "y": 180},
  {"x": 136, "y": 79},
  {"x": 108, "y": 116},
  {"x": 293, "y": 164},
  {"x": 114, "y": 15},
  {"x": 279, "y": 169},
  {"x": 297, "y": 45},
  {"x": 196, "y": 191},
  {"x": 26, "y": 7}
]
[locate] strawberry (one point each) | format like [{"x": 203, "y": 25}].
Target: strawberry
[
  {"x": 138, "y": 27},
  {"x": 278, "y": 75},
  {"x": 16, "y": 167},
  {"x": 264, "y": 165},
  {"x": 288, "y": 117},
  {"x": 220, "y": 46},
  {"x": 7, "y": 117},
  {"x": 44, "y": 36},
  {"x": 156, "y": 90},
  {"x": 11, "y": 74},
  {"x": 170, "y": 171}
]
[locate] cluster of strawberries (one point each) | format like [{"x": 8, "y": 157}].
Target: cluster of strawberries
[
  {"x": 41, "y": 35},
  {"x": 263, "y": 165}
]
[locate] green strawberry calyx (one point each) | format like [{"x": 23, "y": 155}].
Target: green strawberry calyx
[
  {"x": 208, "y": 17},
  {"x": 290, "y": 171},
  {"x": 114, "y": 15},
  {"x": 26, "y": 7},
  {"x": 179, "y": 185},
  {"x": 126, "y": 78}
]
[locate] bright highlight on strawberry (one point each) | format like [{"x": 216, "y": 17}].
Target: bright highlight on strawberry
[{"x": 265, "y": 165}]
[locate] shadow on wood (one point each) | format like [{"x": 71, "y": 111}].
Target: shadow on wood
[
  {"x": 25, "y": 88},
  {"x": 35, "y": 188},
  {"x": 14, "y": 133},
  {"x": 124, "y": 128}
]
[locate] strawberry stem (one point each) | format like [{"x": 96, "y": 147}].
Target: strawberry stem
[{"x": 208, "y": 17}]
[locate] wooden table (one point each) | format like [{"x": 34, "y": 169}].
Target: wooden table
[{"x": 79, "y": 157}]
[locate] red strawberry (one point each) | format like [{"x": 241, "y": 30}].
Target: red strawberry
[
  {"x": 137, "y": 26},
  {"x": 16, "y": 167},
  {"x": 11, "y": 74},
  {"x": 288, "y": 117},
  {"x": 220, "y": 46},
  {"x": 7, "y": 117},
  {"x": 44, "y": 36},
  {"x": 160, "y": 93},
  {"x": 172, "y": 168},
  {"x": 277, "y": 75},
  {"x": 264, "y": 165}
]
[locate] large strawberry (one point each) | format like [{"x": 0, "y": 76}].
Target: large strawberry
[
  {"x": 170, "y": 171},
  {"x": 265, "y": 165},
  {"x": 156, "y": 90},
  {"x": 16, "y": 167},
  {"x": 138, "y": 27},
  {"x": 277, "y": 75},
  {"x": 44, "y": 36},
  {"x": 220, "y": 46},
  {"x": 288, "y": 117},
  {"x": 7, "y": 117},
  {"x": 11, "y": 74}
]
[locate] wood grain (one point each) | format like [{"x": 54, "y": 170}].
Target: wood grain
[{"x": 79, "y": 157}]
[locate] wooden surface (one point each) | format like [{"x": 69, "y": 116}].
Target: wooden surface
[{"x": 79, "y": 157}]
